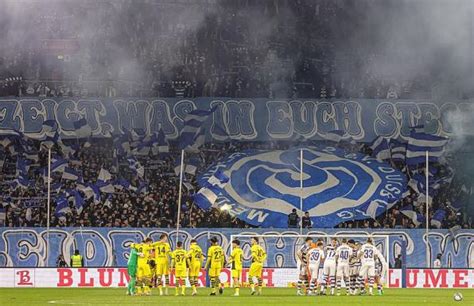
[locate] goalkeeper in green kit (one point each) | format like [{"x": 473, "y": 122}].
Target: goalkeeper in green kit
[{"x": 132, "y": 269}]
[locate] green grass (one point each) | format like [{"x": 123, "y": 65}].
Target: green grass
[{"x": 274, "y": 297}]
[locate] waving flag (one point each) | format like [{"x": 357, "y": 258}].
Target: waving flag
[
  {"x": 105, "y": 187},
  {"x": 193, "y": 122},
  {"x": 420, "y": 143},
  {"x": 22, "y": 182},
  {"x": 78, "y": 201},
  {"x": 380, "y": 148},
  {"x": 122, "y": 145},
  {"x": 70, "y": 174},
  {"x": 104, "y": 175},
  {"x": 50, "y": 128},
  {"x": 190, "y": 166},
  {"x": 58, "y": 164},
  {"x": 438, "y": 218},
  {"x": 22, "y": 166},
  {"x": 62, "y": 208},
  {"x": 82, "y": 128},
  {"x": 220, "y": 133},
  {"x": 136, "y": 167},
  {"x": 198, "y": 141},
  {"x": 415, "y": 217},
  {"x": 398, "y": 150}
]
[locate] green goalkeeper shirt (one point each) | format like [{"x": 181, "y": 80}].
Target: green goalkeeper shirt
[{"x": 132, "y": 260}]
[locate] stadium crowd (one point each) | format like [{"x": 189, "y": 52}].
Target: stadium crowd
[
  {"x": 155, "y": 205},
  {"x": 208, "y": 48}
]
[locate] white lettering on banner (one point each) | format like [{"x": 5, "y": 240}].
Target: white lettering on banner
[{"x": 272, "y": 277}]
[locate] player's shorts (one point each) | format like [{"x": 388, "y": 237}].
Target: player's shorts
[
  {"x": 354, "y": 269},
  {"x": 143, "y": 270},
  {"x": 342, "y": 271},
  {"x": 237, "y": 273},
  {"x": 303, "y": 272},
  {"x": 132, "y": 271},
  {"x": 314, "y": 271},
  {"x": 194, "y": 270},
  {"x": 180, "y": 273},
  {"x": 256, "y": 269},
  {"x": 215, "y": 271},
  {"x": 367, "y": 271},
  {"x": 329, "y": 268},
  {"x": 162, "y": 267}
]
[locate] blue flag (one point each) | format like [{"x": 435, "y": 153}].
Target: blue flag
[
  {"x": 263, "y": 186},
  {"x": 193, "y": 122}
]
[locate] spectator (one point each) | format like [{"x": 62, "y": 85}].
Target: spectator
[
  {"x": 306, "y": 220},
  {"x": 293, "y": 219},
  {"x": 398, "y": 262},
  {"x": 60, "y": 262},
  {"x": 437, "y": 262}
]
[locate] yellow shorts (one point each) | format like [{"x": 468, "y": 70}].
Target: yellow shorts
[
  {"x": 194, "y": 270},
  {"x": 162, "y": 267},
  {"x": 237, "y": 273},
  {"x": 215, "y": 271},
  {"x": 256, "y": 269},
  {"x": 143, "y": 271},
  {"x": 180, "y": 273}
]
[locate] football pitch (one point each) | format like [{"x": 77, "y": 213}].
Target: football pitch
[{"x": 275, "y": 297}]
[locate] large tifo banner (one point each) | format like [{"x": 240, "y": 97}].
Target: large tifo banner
[
  {"x": 272, "y": 277},
  {"x": 110, "y": 247},
  {"x": 264, "y": 186},
  {"x": 242, "y": 119}
]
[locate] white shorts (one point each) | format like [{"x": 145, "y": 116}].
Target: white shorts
[
  {"x": 367, "y": 271},
  {"x": 329, "y": 268},
  {"x": 314, "y": 271},
  {"x": 354, "y": 270},
  {"x": 342, "y": 271}
]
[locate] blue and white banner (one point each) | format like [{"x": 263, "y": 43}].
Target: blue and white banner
[
  {"x": 104, "y": 247},
  {"x": 240, "y": 119},
  {"x": 264, "y": 186}
]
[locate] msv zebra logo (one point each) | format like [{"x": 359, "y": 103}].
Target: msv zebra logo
[{"x": 264, "y": 186}]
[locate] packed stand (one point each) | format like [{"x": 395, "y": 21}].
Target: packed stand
[
  {"x": 285, "y": 49},
  {"x": 149, "y": 198}
]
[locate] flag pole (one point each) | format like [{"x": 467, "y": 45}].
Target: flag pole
[
  {"x": 301, "y": 190},
  {"x": 48, "y": 206},
  {"x": 427, "y": 217},
  {"x": 179, "y": 194}
]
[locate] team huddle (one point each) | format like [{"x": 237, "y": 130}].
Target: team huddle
[
  {"x": 149, "y": 263},
  {"x": 350, "y": 262}
]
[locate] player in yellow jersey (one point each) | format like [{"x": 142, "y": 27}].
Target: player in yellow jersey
[
  {"x": 215, "y": 262},
  {"x": 236, "y": 258},
  {"x": 195, "y": 259},
  {"x": 179, "y": 264},
  {"x": 143, "y": 271},
  {"x": 256, "y": 268},
  {"x": 162, "y": 255}
]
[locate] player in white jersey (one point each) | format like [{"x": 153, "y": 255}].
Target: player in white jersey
[
  {"x": 354, "y": 266},
  {"x": 367, "y": 254},
  {"x": 343, "y": 254},
  {"x": 303, "y": 273},
  {"x": 315, "y": 257},
  {"x": 329, "y": 267},
  {"x": 380, "y": 270}
]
